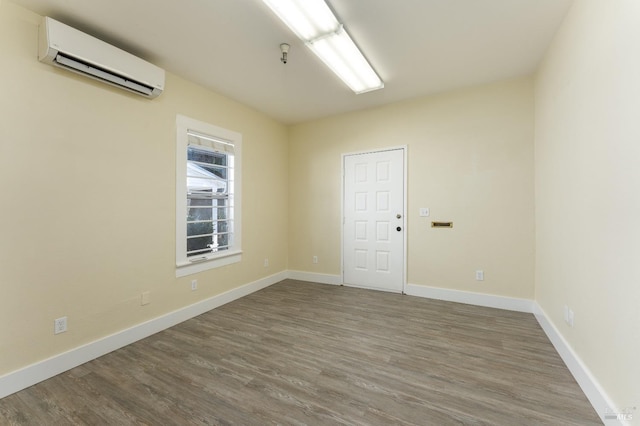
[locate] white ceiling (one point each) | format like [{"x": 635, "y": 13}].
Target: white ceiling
[{"x": 418, "y": 47}]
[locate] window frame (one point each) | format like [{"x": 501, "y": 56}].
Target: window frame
[{"x": 184, "y": 265}]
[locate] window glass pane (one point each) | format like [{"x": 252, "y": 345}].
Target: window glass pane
[
  {"x": 215, "y": 204},
  {"x": 202, "y": 156},
  {"x": 200, "y": 228},
  {"x": 195, "y": 202},
  {"x": 222, "y": 214},
  {"x": 223, "y": 226},
  {"x": 209, "y": 178},
  {"x": 199, "y": 243},
  {"x": 211, "y": 172},
  {"x": 199, "y": 214},
  {"x": 223, "y": 240}
]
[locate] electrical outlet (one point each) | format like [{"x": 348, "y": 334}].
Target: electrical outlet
[
  {"x": 479, "y": 275},
  {"x": 145, "y": 299},
  {"x": 424, "y": 212},
  {"x": 59, "y": 325},
  {"x": 315, "y": 259},
  {"x": 194, "y": 285},
  {"x": 266, "y": 262}
]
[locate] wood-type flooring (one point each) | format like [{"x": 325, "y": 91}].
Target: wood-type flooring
[{"x": 299, "y": 353}]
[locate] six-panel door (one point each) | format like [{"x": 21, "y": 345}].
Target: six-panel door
[{"x": 373, "y": 234}]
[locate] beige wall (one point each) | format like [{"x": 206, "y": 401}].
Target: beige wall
[
  {"x": 87, "y": 186},
  {"x": 588, "y": 190},
  {"x": 470, "y": 161}
]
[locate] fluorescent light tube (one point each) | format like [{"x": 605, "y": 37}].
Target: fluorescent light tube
[
  {"x": 342, "y": 56},
  {"x": 309, "y": 19},
  {"x": 314, "y": 23}
]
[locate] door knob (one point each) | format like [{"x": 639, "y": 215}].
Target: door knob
[
  {"x": 398, "y": 229},
  {"x": 398, "y": 216}
]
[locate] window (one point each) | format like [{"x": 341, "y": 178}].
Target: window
[{"x": 207, "y": 196}]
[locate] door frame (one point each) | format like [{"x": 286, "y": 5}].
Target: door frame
[{"x": 404, "y": 149}]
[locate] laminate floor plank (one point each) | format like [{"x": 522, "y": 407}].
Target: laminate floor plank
[{"x": 306, "y": 354}]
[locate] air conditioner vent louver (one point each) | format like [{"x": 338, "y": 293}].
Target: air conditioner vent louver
[{"x": 73, "y": 50}]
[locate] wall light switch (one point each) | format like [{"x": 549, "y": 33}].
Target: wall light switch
[{"x": 424, "y": 212}]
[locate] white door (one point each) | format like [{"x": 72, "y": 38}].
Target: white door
[{"x": 373, "y": 230}]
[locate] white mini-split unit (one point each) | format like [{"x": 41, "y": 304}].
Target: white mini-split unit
[{"x": 68, "y": 48}]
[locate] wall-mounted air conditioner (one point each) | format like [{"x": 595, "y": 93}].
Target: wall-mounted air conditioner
[{"x": 68, "y": 48}]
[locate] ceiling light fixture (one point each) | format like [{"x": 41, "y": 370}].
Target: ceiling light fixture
[{"x": 314, "y": 23}]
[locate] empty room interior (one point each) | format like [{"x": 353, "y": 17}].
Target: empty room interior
[{"x": 216, "y": 224}]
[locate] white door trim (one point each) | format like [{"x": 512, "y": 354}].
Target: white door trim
[{"x": 405, "y": 150}]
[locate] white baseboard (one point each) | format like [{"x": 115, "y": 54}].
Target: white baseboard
[
  {"x": 42, "y": 370},
  {"x": 598, "y": 398},
  {"x": 37, "y": 372},
  {"x": 470, "y": 298},
  {"x": 315, "y": 278},
  {"x": 588, "y": 383}
]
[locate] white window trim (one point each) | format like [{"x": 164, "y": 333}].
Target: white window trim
[{"x": 185, "y": 266}]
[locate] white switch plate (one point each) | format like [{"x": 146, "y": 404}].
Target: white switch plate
[
  {"x": 570, "y": 318},
  {"x": 424, "y": 212},
  {"x": 194, "y": 285}
]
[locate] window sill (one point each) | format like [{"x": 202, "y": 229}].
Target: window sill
[{"x": 215, "y": 261}]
